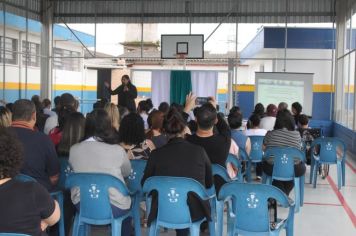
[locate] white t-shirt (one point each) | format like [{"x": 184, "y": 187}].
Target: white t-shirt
[
  {"x": 51, "y": 123},
  {"x": 267, "y": 123},
  {"x": 255, "y": 132}
]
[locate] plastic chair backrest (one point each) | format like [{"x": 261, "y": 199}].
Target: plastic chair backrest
[
  {"x": 220, "y": 171},
  {"x": 283, "y": 168},
  {"x": 233, "y": 160},
  {"x": 328, "y": 148},
  {"x": 251, "y": 204},
  {"x": 25, "y": 178},
  {"x": 94, "y": 193},
  {"x": 66, "y": 170},
  {"x": 13, "y": 234},
  {"x": 172, "y": 198},
  {"x": 134, "y": 179},
  {"x": 256, "y": 153}
]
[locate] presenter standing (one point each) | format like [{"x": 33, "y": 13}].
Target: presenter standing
[{"x": 126, "y": 92}]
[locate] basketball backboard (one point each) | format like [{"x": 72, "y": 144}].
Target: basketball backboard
[{"x": 190, "y": 45}]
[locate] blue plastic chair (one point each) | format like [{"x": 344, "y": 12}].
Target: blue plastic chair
[
  {"x": 173, "y": 210},
  {"x": 256, "y": 153},
  {"x": 66, "y": 170},
  {"x": 58, "y": 195},
  {"x": 283, "y": 170},
  {"x": 95, "y": 208},
  {"x": 133, "y": 182},
  {"x": 250, "y": 202},
  {"x": 218, "y": 206},
  {"x": 233, "y": 160},
  {"x": 13, "y": 234},
  {"x": 328, "y": 155}
]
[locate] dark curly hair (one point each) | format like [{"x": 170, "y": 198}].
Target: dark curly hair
[
  {"x": 132, "y": 129},
  {"x": 11, "y": 153}
]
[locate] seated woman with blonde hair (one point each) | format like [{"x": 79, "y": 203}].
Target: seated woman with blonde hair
[{"x": 114, "y": 115}]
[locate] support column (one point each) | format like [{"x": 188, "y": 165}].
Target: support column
[
  {"x": 231, "y": 65},
  {"x": 46, "y": 49}
]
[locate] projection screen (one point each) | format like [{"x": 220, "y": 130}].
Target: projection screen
[{"x": 272, "y": 87}]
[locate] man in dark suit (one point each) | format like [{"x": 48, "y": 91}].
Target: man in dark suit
[{"x": 126, "y": 92}]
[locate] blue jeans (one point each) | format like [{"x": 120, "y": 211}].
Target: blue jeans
[{"x": 126, "y": 228}]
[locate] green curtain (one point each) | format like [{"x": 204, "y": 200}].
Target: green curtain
[{"x": 181, "y": 85}]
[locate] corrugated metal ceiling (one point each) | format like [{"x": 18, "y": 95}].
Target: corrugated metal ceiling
[{"x": 179, "y": 11}]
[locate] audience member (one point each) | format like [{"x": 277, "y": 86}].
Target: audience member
[
  {"x": 46, "y": 104},
  {"x": 100, "y": 104},
  {"x": 40, "y": 116},
  {"x": 57, "y": 104},
  {"x": 73, "y": 132},
  {"x": 283, "y": 135},
  {"x": 296, "y": 111},
  {"x": 180, "y": 158},
  {"x": 235, "y": 122},
  {"x": 217, "y": 146},
  {"x": 164, "y": 108},
  {"x": 149, "y": 105},
  {"x": 9, "y": 106},
  {"x": 40, "y": 159},
  {"x": 68, "y": 106},
  {"x": 259, "y": 110},
  {"x": 26, "y": 207},
  {"x": 123, "y": 111},
  {"x": 100, "y": 146},
  {"x": 155, "y": 123},
  {"x": 5, "y": 117},
  {"x": 132, "y": 137},
  {"x": 66, "y": 102},
  {"x": 255, "y": 129},
  {"x": 305, "y": 134},
  {"x": 269, "y": 120},
  {"x": 114, "y": 115},
  {"x": 282, "y": 106},
  {"x": 143, "y": 110}
]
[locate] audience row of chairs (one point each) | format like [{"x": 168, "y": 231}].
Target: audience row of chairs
[{"x": 247, "y": 204}]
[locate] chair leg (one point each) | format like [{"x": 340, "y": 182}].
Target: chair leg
[
  {"x": 116, "y": 226},
  {"x": 339, "y": 174},
  {"x": 154, "y": 229},
  {"x": 75, "y": 230},
  {"x": 297, "y": 194},
  {"x": 315, "y": 176},
  {"x": 61, "y": 219},
  {"x": 136, "y": 216},
  {"x": 212, "y": 230},
  {"x": 312, "y": 163},
  {"x": 343, "y": 172},
  {"x": 195, "y": 229},
  {"x": 302, "y": 181},
  {"x": 219, "y": 217}
]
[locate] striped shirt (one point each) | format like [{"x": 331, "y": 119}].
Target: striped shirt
[{"x": 282, "y": 138}]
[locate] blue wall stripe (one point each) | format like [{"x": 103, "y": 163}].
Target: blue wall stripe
[{"x": 347, "y": 135}]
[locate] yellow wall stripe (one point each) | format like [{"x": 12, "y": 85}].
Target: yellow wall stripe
[
  {"x": 30, "y": 86},
  {"x": 317, "y": 88}
]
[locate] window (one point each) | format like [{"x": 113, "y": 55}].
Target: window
[
  {"x": 66, "y": 60},
  {"x": 10, "y": 50},
  {"x": 31, "y": 53}
]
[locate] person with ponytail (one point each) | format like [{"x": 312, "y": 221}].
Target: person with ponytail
[{"x": 180, "y": 158}]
